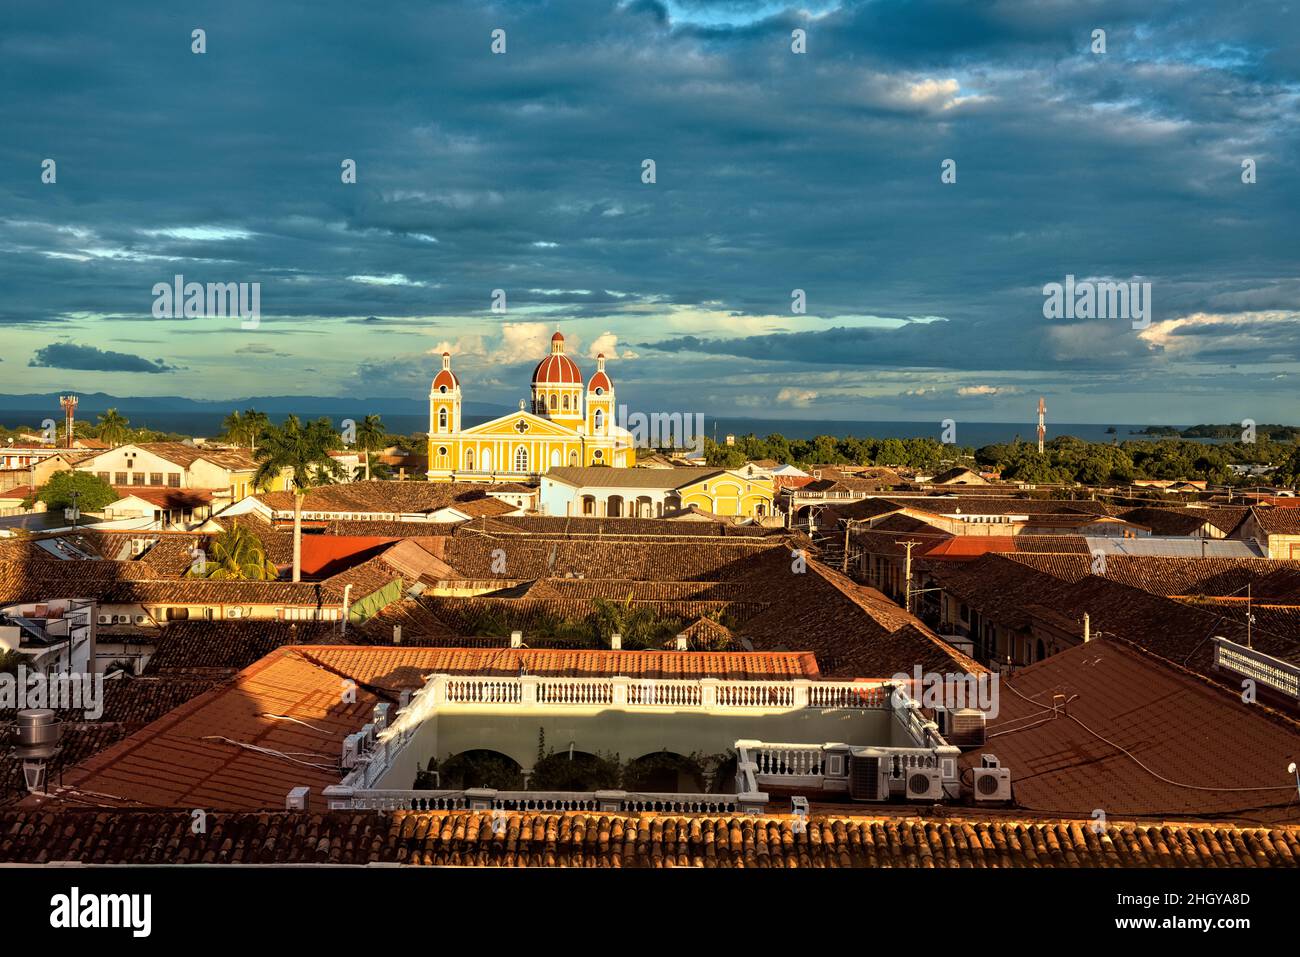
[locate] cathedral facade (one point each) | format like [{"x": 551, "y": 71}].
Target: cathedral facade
[{"x": 564, "y": 423}]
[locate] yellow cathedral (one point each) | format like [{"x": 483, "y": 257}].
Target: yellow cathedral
[{"x": 567, "y": 424}]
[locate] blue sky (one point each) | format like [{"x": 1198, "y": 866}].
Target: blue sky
[{"x": 775, "y": 171}]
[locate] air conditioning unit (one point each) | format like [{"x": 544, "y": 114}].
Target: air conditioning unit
[
  {"x": 235, "y": 612},
  {"x": 105, "y": 619},
  {"x": 991, "y": 782},
  {"x": 962, "y": 727},
  {"x": 868, "y": 775},
  {"x": 351, "y": 750},
  {"x": 924, "y": 784}
]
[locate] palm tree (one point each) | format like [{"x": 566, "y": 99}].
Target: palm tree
[
  {"x": 245, "y": 428},
  {"x": 255, "y": 424},
  {"x": 234, "y": 427},
  {"x": 370, "y": 434},
  {"x": 303, "y": 451},
  {"x": 112, "y": 427},
  {"x": 237, "y": 554}
]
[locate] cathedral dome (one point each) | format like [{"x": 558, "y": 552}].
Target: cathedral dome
[
  {"x": 445, "y": 380},
  {"x": 557, "y": 368},
  {"x": 600, "y": 383}
]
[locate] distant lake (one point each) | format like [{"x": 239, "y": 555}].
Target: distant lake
[{"x": 968, "y": 433}]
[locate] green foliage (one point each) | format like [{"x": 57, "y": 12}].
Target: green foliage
[
  {"x": 923, "y": 453},
  {"x": 662, "y": 770},
  {"x": 236, "y": 554},
  {"x": 92, "y": 494},
  {"x": 582, "y": 772},
  {"x": 245, "y": 428},
  {"x": 10, "y": 660},
  {"x": 113, "y": 428},
  {"x": 302, "y": 449},
  {"x": 471, "y": 769},
  {"x": 639, "y": 625},
  {"x": 1066, "y": 459}
]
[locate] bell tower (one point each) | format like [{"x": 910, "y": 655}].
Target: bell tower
[
  {"x": 600, "y": 401},
  {"x": 444, "y": 401}
]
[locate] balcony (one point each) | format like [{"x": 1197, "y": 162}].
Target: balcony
[{"x": 633, "y": 718}]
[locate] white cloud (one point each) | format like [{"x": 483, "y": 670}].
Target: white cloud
[
  {"x": 392, "y": 279},
  {"x": 796, "y": 397}
]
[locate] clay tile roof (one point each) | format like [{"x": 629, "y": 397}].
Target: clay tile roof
[
  {"x": 391, "y": 498},
  {"x": 288, "y": 704},
  {"x": 583, "y": 839},
  {"x": 1194, "y": 748},
  {"x": 1278, "y": 521}
]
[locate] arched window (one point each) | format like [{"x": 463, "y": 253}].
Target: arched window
[
  {"x": 565, "y": 403},
  {"x": 469, "y": 459},
  {"x": 553, "y": 405},
  {"x": 600, "y": 420},
  {"x": 442, "y": 420},
  {"x": 521, "y": 459}
]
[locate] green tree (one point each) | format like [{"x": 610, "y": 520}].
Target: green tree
[
  {"x": 113, "y": 428},
  {"x": 236, "y": 554},
  {"x": 304, "y": 452},
  {"x": 88, "y": 492},
  {"x": 371, "y": 434},
  {"x": 245, "y": 428}
]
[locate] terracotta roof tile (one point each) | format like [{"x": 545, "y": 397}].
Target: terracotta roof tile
[{"x": 577, "y": 839}]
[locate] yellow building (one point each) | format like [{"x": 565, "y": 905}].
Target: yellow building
[
  {"x": 654, "y": 493},
  {"x": 567, "y": 425}
]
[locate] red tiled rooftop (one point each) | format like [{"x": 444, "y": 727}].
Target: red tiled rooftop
[{"x": 290, "y": 703}]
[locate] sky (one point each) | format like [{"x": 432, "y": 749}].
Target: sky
[{"x": 774, "y": 171}]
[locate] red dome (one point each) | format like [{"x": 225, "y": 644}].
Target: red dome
[
  {"x": 445, "y": 376},
  {"x": 600, "y": 380},
  {"x": 557, "y": 369}
]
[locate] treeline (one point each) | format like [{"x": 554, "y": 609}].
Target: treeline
[
  {"x": 828, "y": 450},
  {"x": 1065, "y": 459},
  {"x": 1231, "y": 431}
]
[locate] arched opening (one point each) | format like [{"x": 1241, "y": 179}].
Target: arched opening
[
  {"x": 469, "y": 459},
  {"x": 589, "y": 505},
  {"x": 521, "y": 459},
  {"x": 614, "y": 506},
  {"x": 553, "y": 402},
  {"x": 487, "y": 460},
  {"x": 644, "y": 507},
  {"x": 569, "y": 769},
  {"x": 480, "y": 768},
  {"x": 565, "y": 402},
  {"x": 1040, "y": 651},
  {"x": 664, "y": 772},
  {"x": 442, "y": 420},
  {"x": 672, "y": 501},
  {"x": 573, "y": 458},
  {"x": 600, "y": 421}
]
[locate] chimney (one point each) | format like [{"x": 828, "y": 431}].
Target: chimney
[
  {"x": 397, "y": 634},
  {"x": 616, "y": 641},
  {"x": 516, "y": 639},
  {"x": 296, "y": 800},
  {"x": 1087, "y": 628},
  {"x": 681, "y": 642}
]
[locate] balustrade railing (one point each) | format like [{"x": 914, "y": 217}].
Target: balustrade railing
[
  {"x": 484, "y": 799},
  {"x": 706, "y": 694}
]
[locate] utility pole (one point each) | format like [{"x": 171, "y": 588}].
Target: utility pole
[{"x": 907, "y": 575}]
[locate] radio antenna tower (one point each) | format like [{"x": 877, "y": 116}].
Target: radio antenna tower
[
  {"x": 1042, "y": 427},
  {"x": 69, "y": 403}
]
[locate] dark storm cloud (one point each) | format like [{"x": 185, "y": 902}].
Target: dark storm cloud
[
  {"x": 68, "y": 355},
  {"x": 775, "y": 171}
]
